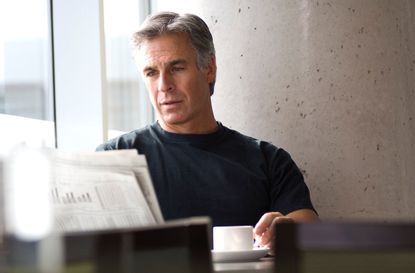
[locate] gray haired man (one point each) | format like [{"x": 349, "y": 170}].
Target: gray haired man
[{"x": 198, "y": 166}]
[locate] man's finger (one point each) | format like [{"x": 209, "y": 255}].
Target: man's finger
[
  {"x": 265, "y": 238},
  {"x": 265, "y": 222}
]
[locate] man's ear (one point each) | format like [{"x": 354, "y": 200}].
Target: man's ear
[{"x": 211, "y": 69}]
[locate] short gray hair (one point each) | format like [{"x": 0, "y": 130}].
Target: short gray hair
[{"x": 171, "y": 22}]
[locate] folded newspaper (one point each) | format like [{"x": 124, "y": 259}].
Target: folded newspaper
[{"x": 86, "y": 190}]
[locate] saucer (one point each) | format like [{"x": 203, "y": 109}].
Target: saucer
[{"x": 238, "y": 255}]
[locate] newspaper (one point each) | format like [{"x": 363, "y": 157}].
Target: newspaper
[{"x": 100, "y": 190}]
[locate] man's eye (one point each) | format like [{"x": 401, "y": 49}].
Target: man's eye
[
  {"x": 177, "y": 68},
  {"x": 150, "y": 73}
]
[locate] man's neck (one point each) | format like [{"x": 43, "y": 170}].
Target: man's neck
[{"x": 205, "y": 128}]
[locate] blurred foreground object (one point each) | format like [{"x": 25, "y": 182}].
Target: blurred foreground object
[
  {"x": 26, "y": 193},
  {"x": 180, "y": 246},
  {"x": 345, "y": 247}
]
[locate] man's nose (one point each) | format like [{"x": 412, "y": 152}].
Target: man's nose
[{"x": 165, "y": 82}]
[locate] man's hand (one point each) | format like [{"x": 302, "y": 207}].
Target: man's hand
[{"x": 264, "y": 228}]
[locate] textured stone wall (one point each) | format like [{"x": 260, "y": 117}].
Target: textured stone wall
[{"x": 333, "y": 83}]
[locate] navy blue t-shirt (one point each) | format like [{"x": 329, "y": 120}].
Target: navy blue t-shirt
[{"x": 228, "y": 176}]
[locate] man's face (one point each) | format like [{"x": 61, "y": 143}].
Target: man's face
[{"x": 178, "y": 88}]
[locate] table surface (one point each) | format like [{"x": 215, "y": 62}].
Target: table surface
[{"x": 264, "y": 265}]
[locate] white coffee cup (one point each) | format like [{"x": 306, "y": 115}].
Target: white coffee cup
[{"x": 231, "y": 238}]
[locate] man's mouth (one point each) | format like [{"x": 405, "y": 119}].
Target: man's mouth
[{"x": 170, "y": 102}]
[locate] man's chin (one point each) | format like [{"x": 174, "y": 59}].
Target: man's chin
[{"x": 172, "y": 122}]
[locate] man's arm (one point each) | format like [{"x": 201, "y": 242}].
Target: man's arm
[
  {"x": 303, "y": 215},
  {"x": 263, "y": 229}
]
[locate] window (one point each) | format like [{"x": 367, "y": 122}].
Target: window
[
  {"x": 128, "y": 104},
  {"x": 26, "y": 93},
  {"x": 27, "y": 109}
]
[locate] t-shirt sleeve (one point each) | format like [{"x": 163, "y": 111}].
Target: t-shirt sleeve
[
  {"x": 104, "y": 147},
  {"x": 288, "y": 190},
  {"x": 126, "y": 141}
]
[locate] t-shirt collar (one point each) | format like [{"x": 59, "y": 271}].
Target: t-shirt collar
[{"x": 188, "y": 138}]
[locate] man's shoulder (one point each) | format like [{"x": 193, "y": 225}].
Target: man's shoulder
[
  {"x": 128, "y": 140},
  {"x": 266, "y": 149},
  {"x": 249, "y": 140},
  {"x": 237, "y": 135}
]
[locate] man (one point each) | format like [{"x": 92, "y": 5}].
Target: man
[{"x": 198, "y": 166}]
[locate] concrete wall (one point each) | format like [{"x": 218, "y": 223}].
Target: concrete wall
[{"x": 332, "y": 82}]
